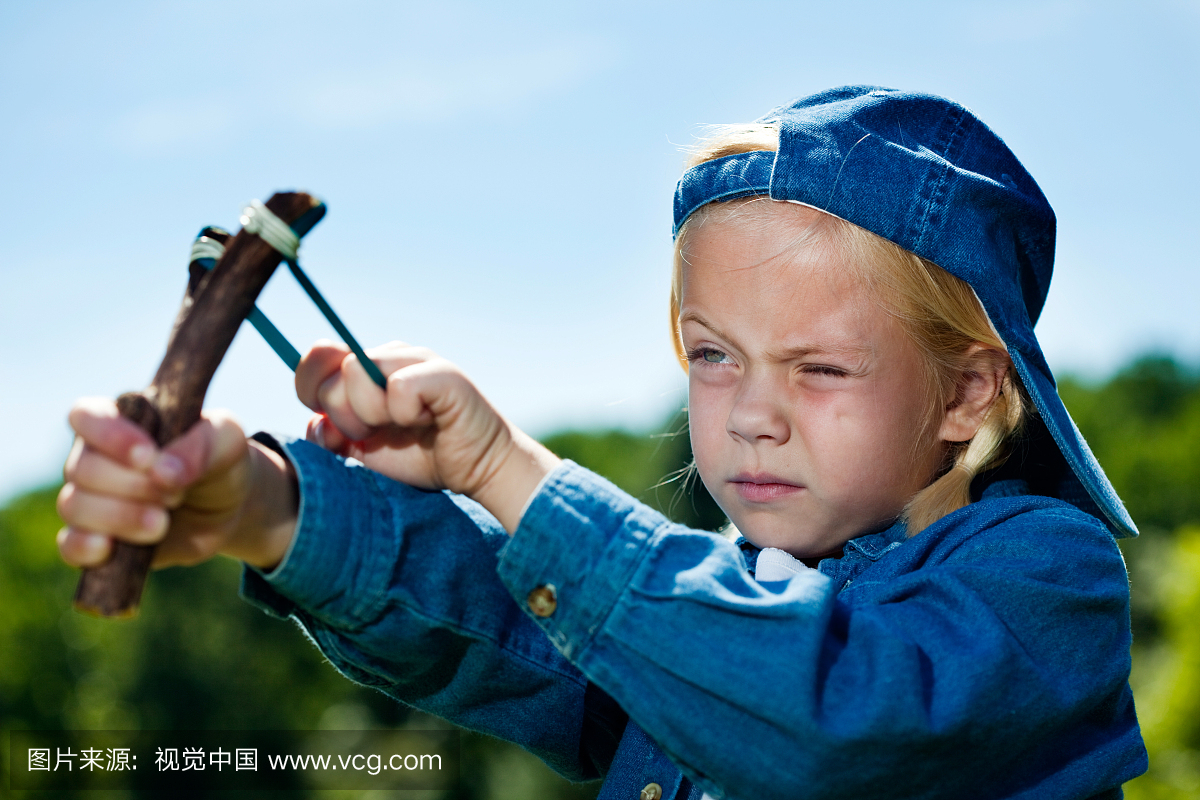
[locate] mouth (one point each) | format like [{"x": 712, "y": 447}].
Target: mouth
[{"x": 763, "y": 488}]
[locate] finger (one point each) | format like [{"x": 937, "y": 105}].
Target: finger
[
  {"x": 81, "y": 548},
  {"x": 395, "y": 355},
  {"x": 368, "y": 401},
  {"x": 353, "y": 403},
  {"x": 139, "y": 523},
  {"x": 214, "y": 443},
  {"x": 339, "y": 413},
  {"x": 365, "y": 398},
  {"x": 324, "y": 434},
  {"x": 420, "y": 394},
  {"x": 94, "y": 472},
  {"x": 72, "y": 461},
  {"x": 229, "y": 440},
  {"x": 98, "y": 423},
  {"x": 216, "y": 457},
  {"x": 321, "y": 361}
]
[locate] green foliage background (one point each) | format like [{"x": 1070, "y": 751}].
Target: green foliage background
[{"x": 199, "y": 658}]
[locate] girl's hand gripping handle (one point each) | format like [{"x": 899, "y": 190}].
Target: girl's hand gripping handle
[
  {"x": 430, "y": 428},
  {"x": 207, "y": 492}
]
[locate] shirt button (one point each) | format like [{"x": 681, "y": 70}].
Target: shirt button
[
  {"x": 543, "y": 600},
  {"x": 652, "y": 792}
]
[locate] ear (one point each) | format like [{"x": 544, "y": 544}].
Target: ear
[{"x": 976, "y": 389}]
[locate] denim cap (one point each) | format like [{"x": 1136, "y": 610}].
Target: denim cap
[{"x": 927, "y": 174}]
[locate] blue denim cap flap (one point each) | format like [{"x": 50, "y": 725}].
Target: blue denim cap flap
[{"x": 927, "y": 174}]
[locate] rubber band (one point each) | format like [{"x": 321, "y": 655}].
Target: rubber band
[
  {"x": 207, "y": 252},
  {"x": 260, "y": 220},
  {"x": 274, "y": 337},
  {"x": 369, "y": 365}
]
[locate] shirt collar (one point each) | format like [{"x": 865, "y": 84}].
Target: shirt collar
[{"x": 874, "y": 546}]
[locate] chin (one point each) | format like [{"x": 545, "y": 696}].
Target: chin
[{"x": 798, "y": 544}]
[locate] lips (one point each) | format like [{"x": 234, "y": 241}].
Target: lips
[{"x": 764, "y": 488}]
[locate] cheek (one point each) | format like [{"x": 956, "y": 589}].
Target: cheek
[
  {"x": 706, "y": 425},
  {"x": 905, "y": 438}
]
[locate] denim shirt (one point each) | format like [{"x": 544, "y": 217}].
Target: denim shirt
[{"x": 987, "y": 656}]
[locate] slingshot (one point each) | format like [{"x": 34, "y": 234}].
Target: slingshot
[{"x": 226, "y": 275}]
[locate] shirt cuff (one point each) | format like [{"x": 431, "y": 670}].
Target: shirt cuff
[
  {"x": 575, "y": 552},
  {"x": 337, "y": 544}
]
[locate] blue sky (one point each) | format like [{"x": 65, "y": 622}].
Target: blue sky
[{"x": 499, "y": 178}]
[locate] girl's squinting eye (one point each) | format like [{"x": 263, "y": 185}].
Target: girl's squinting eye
[
  {"x": 707, "y": 355},
  {"x": 824, "y": 369}
]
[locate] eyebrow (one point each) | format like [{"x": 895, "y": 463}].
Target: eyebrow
[{"x": 849, "y": 350}]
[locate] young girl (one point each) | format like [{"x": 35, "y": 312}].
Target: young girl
[{"x": 925, "y": 600}]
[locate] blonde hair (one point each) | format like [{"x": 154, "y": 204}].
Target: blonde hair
[{"x": 941, "y": 314}]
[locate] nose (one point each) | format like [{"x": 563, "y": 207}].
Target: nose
[{"x": 759, "y": 412}]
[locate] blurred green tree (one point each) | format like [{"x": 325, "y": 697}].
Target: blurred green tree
[
  {"x": 1143, "y": 424},
  {"x": 1166, "y": 675},
  {"x": 655, "y": 468}
]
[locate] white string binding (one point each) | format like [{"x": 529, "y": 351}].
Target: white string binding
[
  {"x": 205, "y": 247},
  {"x": 257, "y": 218}
]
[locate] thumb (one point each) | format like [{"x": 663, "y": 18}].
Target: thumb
[{"x": 215, "y": 442}]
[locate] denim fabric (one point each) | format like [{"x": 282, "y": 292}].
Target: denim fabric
[
  {"x": 988, "y": 656},
  {"x": 930, "y": 176}
]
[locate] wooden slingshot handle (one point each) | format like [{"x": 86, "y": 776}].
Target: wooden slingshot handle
[{"x": 212, "y": 310}]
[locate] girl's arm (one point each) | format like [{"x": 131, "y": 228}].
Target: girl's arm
[
  {"x": 398, "y": 588},
  {"x": 397, "y": 585}
]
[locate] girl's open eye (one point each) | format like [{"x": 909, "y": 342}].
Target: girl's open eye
[{"x": 708, "y": 355}]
